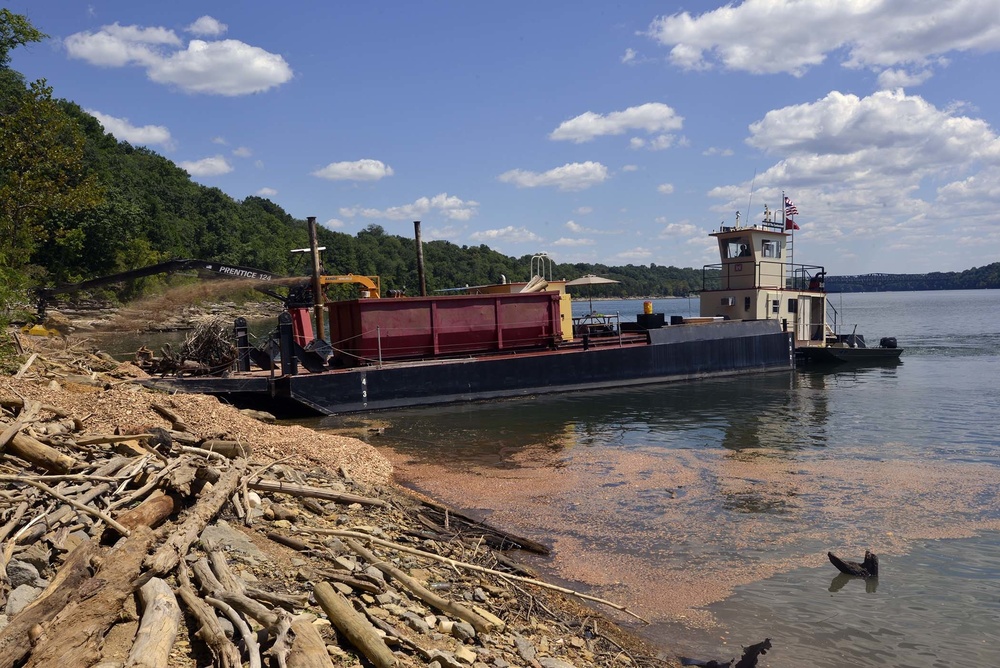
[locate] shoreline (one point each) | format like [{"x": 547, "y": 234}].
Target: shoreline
[{"x": 540, "y": 627}]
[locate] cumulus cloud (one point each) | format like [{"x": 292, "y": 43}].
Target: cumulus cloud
[
  {"x": 510, "y": 234},
  {"x": 683, "y": 230},
  {"x": 359, "y": 170},
  {"x": 652, "y": 117},
  {"x": 123, "y": 130},
  {"x": 897, "y": 78},
  {"x": 242, "y": 152},
  {"x": 267, "y": 192},
  {"x": 769, "y": 36},
  {"x": 206, "y": 26},
  {"x": 629, "y": 56},
  {"x": 224, "y": 67},
  {"x": 333, "y": 224},
  {"x": 868, "y": 165},
  {"x": 571, "y": 176},
  {"x": 724, "y": 152},
  {"x": 448, "y": 206},
  {"x": 665, "y": 188},
  {"x": 573, "y": 243},
  {"x": 216, "y": 165}
]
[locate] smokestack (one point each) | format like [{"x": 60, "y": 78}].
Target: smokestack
[
  {"x": 420, "y": 259},
  {"x": 317, "y": 286}
]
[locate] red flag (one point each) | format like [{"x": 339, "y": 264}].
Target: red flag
[{"x": 791, "y": 224}]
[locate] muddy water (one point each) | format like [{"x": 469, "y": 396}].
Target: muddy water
[{"x": 709, "y": 507}]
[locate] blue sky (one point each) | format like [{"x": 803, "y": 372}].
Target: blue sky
[{"x": 620, "y": 133}]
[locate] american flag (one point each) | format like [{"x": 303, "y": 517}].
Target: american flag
[{"x": 790, "y": 208}]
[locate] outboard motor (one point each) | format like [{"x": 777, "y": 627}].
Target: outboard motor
[{"x": 887, "y": 342}]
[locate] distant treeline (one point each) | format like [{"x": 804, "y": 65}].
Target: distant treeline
[{"x": 977, "y": 278}]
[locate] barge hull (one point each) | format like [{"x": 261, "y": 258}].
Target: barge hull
[{"x": 674, "y": 353}]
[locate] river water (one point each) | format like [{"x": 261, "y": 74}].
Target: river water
[{"x": 708, "y": 507}]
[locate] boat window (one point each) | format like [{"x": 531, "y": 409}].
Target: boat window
[
  {"x": 793, "y": 305},
  {"x": 739, "y": 247},
  {"x": 770, "y": 248}
]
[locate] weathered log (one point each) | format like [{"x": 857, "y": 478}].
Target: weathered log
[
  {"x": 314, "y": 492},
  {"x": 37, "y": 453},
  {"x": 74, "y": 572},
  {"x": 151, "y": 512},
  {"x": 289, "y": 541},
  {"x": 175, "y": 422},
  {"x": 161, "y": 617},
  {"x": 308, "y": 648},
  {"x": 210, "y": 630},
  {"x": 354, "y": 626},
  {"x": 166, "y": 557},
  {"x": 249, "y": 638},
  {"x": 481, "y": 624},
  {"x": 75, "y": 635},
  {"x": 229, "y": 449}
]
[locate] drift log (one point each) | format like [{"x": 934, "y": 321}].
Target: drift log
[
  {"x": 308, "y": 647},
  {"x": 355, "y": 628},
  {"x": 165, "y": 559},
  {"x": 478, "y": 622},
  {"x": 161, "y": 617},
  {"x": 35, "y": 452},
  {"x": 75, "y": 637},
  {"x": 210, "y": 630}
]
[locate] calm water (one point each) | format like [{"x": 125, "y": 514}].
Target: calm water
[{"x": 709, "y": 507}]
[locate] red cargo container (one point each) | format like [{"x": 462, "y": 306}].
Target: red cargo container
[{"x": 371, "y": 330}]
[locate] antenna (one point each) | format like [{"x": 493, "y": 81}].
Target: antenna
[{"x": 750, "y": 199}]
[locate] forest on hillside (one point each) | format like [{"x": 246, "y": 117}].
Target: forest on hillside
[{"x": 75, "y": 203}]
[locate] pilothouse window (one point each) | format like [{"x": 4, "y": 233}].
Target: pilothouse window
[
  {"x": 770, "y": 248},
  {"x": 737, "y": 248}
]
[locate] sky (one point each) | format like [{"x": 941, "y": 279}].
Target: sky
[{"x": 600, "y": 132}]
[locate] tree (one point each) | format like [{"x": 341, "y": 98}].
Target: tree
[
  {"x": 15, "y": 30},
  {"x": 41, "y": 172}
]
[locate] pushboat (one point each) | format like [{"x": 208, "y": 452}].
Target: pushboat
[{"x": 759, "y": 281}]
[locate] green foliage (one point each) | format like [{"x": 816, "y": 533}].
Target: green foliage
[
  {"x": 15, "y": 30},
  {"x": 42, "y": 175}
]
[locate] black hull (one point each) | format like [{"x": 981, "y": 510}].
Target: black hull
[
  {"x": 671, "y": 354},
  {"x": 852, "y": 355}
]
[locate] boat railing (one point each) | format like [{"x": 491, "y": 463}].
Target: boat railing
[{"x": 797, "y": 276}]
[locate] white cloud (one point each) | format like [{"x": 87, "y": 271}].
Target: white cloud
[
  {"x": 213, "y": 166},
  {"x": 891, "y": 79},
  {"x": 565, "y": 241},
  {"x": 675, "y": 230},
  {"x": 359, "y": 170},
  {"x": 724, "y": 152},
  {"x": 584, "y": 210},
  {"x": 665, "y": 188},
  {"x": 123, "y": 130},
  {"x": 267, "y": 192},
  {"x": 629, "y": 56},
  {"x": 449, "y": 206},
  {"x": 577, "y": 228},
  {"x": 220, "y": 140},
  {"x": 571, "y": 176},
  {"x": 634, "y": 254},
  {"x": 206, "y": 26},
  {"x": 768, "y": 36},
  {"x": 630, "y": 168},
  {"x": 333, "y": 224},
  {"x": 652, "y": 117},
  {"x": 225, "y": 67},
  {"x": 242, "y": 152},
  {"x": 886, "y": 163},
  {"x": 509, "y": 234}
]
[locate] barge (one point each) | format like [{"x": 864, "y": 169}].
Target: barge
[{"x": 493, "y": 342}]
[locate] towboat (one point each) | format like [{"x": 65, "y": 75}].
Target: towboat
[{"x": 759, "y": 281}]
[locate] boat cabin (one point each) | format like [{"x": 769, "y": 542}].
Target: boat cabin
[{"x": 759, "y": 281}]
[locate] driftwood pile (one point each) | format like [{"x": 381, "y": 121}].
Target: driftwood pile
[
  {"x": 164, "y": 548},
  {"x": 209, "y": 349}
]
